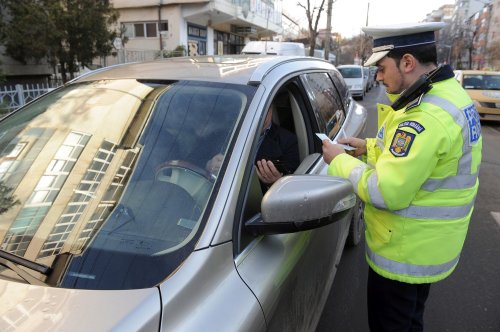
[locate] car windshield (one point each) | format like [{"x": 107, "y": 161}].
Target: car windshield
[
  {"x": 350, "y": 72},
  {"x": 481, "y": 82},
  {"x": 106, "y": 182}
]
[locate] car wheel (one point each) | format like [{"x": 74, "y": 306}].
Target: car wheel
[{"x": 357, "y": 225}]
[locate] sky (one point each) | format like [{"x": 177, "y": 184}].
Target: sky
[{"x": 348, "y": 16}]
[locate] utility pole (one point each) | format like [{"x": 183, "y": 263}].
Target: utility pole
[
  {"x": 328, "y": 34},
  {"x": 367, "y": 13}
]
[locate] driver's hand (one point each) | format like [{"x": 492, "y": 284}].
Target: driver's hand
[
  {"x": 214, "y": 164},
  {"x": 267, "y": 172}
]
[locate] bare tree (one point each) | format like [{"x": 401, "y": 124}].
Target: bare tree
[
  {"x": 313, "y": 15},
  {"x": 328, "y": 34}
]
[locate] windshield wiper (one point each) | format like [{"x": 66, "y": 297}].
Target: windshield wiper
[{"x": 12, "y": 261}]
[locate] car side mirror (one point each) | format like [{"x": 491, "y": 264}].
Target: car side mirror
[{"x": 300, "y": 202}]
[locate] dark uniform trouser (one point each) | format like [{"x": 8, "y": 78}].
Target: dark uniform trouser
[{"x": 394, "y": 305}]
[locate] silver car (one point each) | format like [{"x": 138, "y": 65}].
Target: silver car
[{"x": 111, "y": 221}]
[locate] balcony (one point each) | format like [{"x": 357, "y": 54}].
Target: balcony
[{"x": 256, "y": 18}]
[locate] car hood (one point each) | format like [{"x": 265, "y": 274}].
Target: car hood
[{"x": 37, "y": 308}]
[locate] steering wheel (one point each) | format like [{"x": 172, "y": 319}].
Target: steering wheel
[
  {"x": 186, "y": 166},
  {"x": 197, "y": 181}
]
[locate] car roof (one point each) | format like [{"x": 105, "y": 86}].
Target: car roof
[{"x": 240, "y": 69}]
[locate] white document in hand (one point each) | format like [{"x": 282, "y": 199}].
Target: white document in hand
[{"x": 344, "y": 146}]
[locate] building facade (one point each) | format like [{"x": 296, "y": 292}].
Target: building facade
[
  {"x": 493, "y": 36},
  {"x": 153, "y": 28}
]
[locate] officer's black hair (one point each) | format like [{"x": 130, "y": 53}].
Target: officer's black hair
[{"x": 425, "y": 54}]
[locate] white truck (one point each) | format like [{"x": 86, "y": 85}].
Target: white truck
[{"x": 273, "y": 48}]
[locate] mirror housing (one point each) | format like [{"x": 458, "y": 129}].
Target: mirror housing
[{"x": 296, "y": 203}]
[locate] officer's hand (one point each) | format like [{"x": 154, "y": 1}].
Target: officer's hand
[
  {"x": 358, "y": 143},
  {"x": 330, "y": 151},
  {"x": 267, "y": 172}
]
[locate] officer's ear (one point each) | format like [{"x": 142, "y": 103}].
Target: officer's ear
[{"x": 408, "y": 63}]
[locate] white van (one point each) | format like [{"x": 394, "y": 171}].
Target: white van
[
  {"x": 355, "y": 77},
  {"x": 274, "y": 48}
]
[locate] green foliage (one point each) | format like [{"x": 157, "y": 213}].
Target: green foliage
[
  {"x": 64, "y": 32},
  {"x": 178, "y": 51}
]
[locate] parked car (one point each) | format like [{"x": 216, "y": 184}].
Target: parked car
[
  {"x": 373, "y": 75},
  {"x": 484, "y": 88},
  {"x": 355, "y": 78},
  {"x": 369, "y": 79},
  {"x": 112, "y": 221}
]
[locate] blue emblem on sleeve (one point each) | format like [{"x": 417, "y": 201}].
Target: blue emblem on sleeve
[
  {"x": 401, "y": 143},
  {"x": 381, "y": 132},
  {"x": 474, "y": 124}
]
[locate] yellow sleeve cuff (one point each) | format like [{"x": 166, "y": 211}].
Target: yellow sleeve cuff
[
  {"x": 342, "y": 165},
  {"x": 372, "y": 151}
]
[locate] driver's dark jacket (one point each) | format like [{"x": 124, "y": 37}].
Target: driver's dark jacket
[{"x": 281, "y": 145}]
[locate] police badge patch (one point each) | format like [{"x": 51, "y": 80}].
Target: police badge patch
[{"x": 401, "y": 143}]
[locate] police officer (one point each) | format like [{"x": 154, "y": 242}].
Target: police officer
[{"x": 420, "y": 178}]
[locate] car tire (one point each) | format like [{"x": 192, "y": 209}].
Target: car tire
[{"x": 357, "y": 225}]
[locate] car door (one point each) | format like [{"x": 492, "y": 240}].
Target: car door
[{"x": 290, "y": 274}]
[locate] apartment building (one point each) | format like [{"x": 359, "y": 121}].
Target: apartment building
[
  {"x": 493, "y": 33},
  {"x": 210, "y": 27}
]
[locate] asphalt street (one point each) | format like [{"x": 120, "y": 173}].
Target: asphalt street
[{"x": 468, "y": 300}]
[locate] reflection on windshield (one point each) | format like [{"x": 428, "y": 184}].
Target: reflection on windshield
[{"x": 112, "y": 174}]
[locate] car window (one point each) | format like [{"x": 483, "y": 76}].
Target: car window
[
  {"x": 118, "y": 183},
  {"x": 326, "y": 102},
  {"x": 481, "y": 82},
  {"x": 351, "y": 72},
  {"x": 341, "y": 87},
  {"x": 292, "y": 113}
]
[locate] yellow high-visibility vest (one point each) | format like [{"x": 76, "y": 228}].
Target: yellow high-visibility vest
[{"x": 419, "y": 184}]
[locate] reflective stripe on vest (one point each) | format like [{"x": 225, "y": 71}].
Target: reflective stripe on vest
[
  {"x": 409, "y": 269},
  {"x": 451, "y": 182},
  {"x": 355, "y": 175},
  {"x": 380, "y": 144},
  {"x": 464, "y": 165},
  {"x": 376, "y": 197},
  {"x": 436, "y": 212}
]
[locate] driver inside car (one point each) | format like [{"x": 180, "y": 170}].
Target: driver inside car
[{"x": 277, "y": 155}]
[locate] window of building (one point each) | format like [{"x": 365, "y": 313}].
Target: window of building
[
  {"x": 144, "y": 29},
  {"x": 197, "y": 40},
  {"x": 227, "y": 43}
]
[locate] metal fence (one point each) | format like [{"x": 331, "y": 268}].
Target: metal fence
[{"x": 13, "y": 97}]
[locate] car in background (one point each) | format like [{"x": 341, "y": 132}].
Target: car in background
[
  {"x": 273, "y": 48},
  {"x": 369, "y": 79},
  {"x": 112, "y": 218},
  {"x": 484, "y": 88},
  {"x": 373, "y": 75},
  {"x": 355, "y": 78}
]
